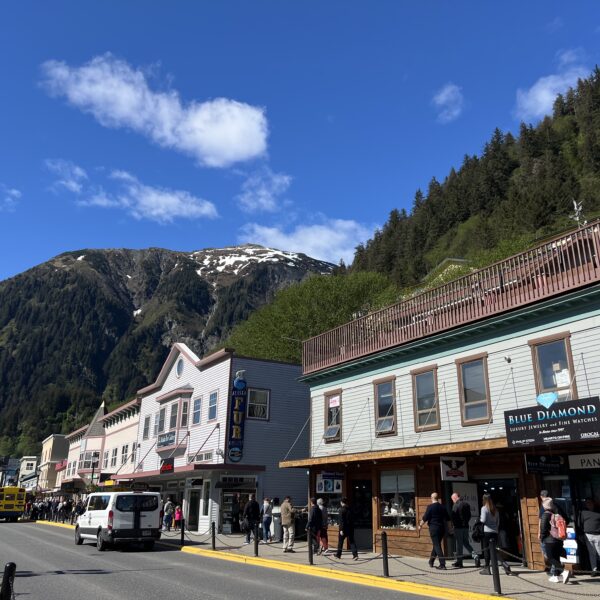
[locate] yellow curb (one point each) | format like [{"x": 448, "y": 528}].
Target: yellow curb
[{"x": 52, "y": 524}]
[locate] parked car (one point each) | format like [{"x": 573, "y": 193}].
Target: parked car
[{"x": 120, "y": 518}]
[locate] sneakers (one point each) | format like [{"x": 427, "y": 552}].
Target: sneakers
[
  {"x": 553, "y": 579},
  {"x": 485, "y": 571},
  {"x": 441, "y": 567},
  {"x": 431, "y": 564},
  {"x": 246, "y": 543},
  {"x": 565, "y": 576},
  {"x": 457, "y": 565},
  {"x": 595, "y": 573},
  {"x": 355, "y": 558},
  {"x": 327, "y": 552}
]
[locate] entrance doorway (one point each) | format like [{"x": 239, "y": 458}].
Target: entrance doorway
[
  {"x": 362, "y": 512},
  {"x": 193, "y": 510}
]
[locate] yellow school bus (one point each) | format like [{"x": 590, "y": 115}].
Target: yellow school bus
[{"x": 12, "y": 503}]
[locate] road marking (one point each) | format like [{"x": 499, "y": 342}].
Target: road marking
[{"x": 417, "y": 589}]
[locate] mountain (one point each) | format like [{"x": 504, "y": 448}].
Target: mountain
[{"x": 97, "y": 324}]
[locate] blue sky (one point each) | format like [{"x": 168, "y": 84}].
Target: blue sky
[{"x": 294, "y": 124}]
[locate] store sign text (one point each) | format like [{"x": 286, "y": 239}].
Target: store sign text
[{"x": 239, "y": 395}]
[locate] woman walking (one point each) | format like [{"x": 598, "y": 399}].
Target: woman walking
[
  {"x": 491, "y": 519},
  {"x": 552, "y": 545},
  {"x": 267, "y": 516},
  {"x": 322, "y": 534}
]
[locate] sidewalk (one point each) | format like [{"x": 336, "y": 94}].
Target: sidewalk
[{"x": 523, "y": 584}]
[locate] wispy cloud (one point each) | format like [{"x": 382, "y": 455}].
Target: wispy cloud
[
  {"x": 263, "y": 190},
  {"x": 449, "y": 103},
  {"x": 537, "y": 101},
  {"x": 9, "y": 198},
  {"x": 141, "y": 201},
  {"x": 331, "y": 240},
  {"x": 70, "y": 176},
  {"x": 217, "y": 132},
  {"x": 554, "y": 25}
]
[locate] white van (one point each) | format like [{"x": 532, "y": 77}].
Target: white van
[{"x": 120, "y": 518}]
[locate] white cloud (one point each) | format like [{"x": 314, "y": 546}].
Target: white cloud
[
  {"x": 262, "y": 191},
  {"x": 537, "y": 101},
  {"x": 217, "y": 132},
  {"x": 71, "y": 176},
  {"x": 555, "y": 25},
  {"x": 9, "y": 198},
  {"x": 330, "y": 240},
  {"x": 449, "y": 102}
]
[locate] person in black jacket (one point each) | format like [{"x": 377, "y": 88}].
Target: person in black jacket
[
  {"x": 346, "y": 530},
  {"x": 461, "y": 515},
  {"x": 436, "y": 516},
  {"x": 315, "y": 523},
  {"x": 251, "y": 516},
  {"x": 552, "y": 546}
]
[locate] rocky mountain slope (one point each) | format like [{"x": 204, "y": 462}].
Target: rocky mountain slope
[{"x": 95, "y": 324}]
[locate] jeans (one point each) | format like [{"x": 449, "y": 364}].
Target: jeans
[
  {"x": 167, "y": 520},
  {"x": 436, "y": 540},
  {"x": 341, "y": 539},
  {"x": 288, "y": 536},
  {"x": 593, "y": 545},
  {"x": 251, "y": 530},
  {"x": 553, "y": 551},
  {"x": 461, "y": 537},
  {"x": 266, "y": 525},
  {"x": 489, "y": 538}
]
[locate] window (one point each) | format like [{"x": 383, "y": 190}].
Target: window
[
  {"x": 156, "y": 416},
  {"x": 179, "y": 368},
  {"x": 474, "y": 390},
  {"x": 161, "y": 419},
  {"x": 105, "y": 460},
  {"x": 333, "y": 417},
  {"x": 134, "y": 448},
  {"x": 385, "y": 407},
  {"x": 146, "y": 428},
  {"x": 258, "y": 404},
  {"x": 124, "y": 453},
  {"x": 205, "y": 498},
  {"x": 425, "y": 398},
  {"x": 29, "y": 467},
  {"x": 173, "y": 419},
  {"x": 197, "y": 406},
  {"x": 397, "y": 494},
  {"x": 129, "y": 502},
  {"x": 98, "y": 502},
  {"x": 184, "y": 413},
  {"x": 212, "y": 406},
  {"x": 553, "y": 366},
  {"x": 89, "y": 459},
  {"x": 113, "y": 457}
]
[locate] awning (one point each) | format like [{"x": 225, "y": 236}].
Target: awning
[{"x": 236, "y": 486}]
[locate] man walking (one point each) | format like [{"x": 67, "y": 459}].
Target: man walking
[
  {"x": 251, "y": 516},
  {"x": 287, "y": 522},
  {"x": 437, "y": 518},
  {"x": 461, "y": 515},
  {"x": 168, "y": 509},
  {"x": 314, "y": 525},
  {"x": 346, "y": 530}
]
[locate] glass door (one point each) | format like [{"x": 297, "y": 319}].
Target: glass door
[{"x": 193, "y": 510}]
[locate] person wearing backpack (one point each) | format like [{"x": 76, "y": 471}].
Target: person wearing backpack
[{"x": 553, "y": 530}]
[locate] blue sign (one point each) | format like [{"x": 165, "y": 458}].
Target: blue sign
[{"x": 237, "y": 416}]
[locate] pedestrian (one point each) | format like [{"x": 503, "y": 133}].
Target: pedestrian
[
  {"x": 314, "y": 525},
  {"x": 503, "y": 541},
  {"x": 178, "y": 514},
  {"x": 288, "y": 524},
  {"x": 490, "y": 518},
  {"x": 461, "y": 517},
  {"x": 323, "y": 537},
  {"x": 235, "y": 513},
  {"x": 552, "y": 544},
  {"x": 168, "y": 510},
  {"x": 437, "y": 518},
  {"x": 346, "y": 530},
  {"x": 266, "y": 514},
  {"x": 251, "y": 517},
  {"x": 589, "y": 519}
]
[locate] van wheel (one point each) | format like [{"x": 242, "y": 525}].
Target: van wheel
[
  {"x": 148, "y": 546},
  {"x": 78, "y": 538},
  {"x": 100, "y": 543}
]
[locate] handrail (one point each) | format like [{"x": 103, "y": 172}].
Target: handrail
[{"x": 560, "y": 264}]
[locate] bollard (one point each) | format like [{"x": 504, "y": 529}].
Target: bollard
[
  {"x": 384, "y": 552},
  {"x": 213, "y": 534},
  {"x": 181, "y": 540},
  {"x": 6, "y": 592},
  {"x": 494, "y": 567},
  {"x": 309, "y": 537},
  {"x": 256, "y": 539}
]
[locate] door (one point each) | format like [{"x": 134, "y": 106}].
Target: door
[
  {"x": 193, "y": 510},
  {"x": 362, "y": 512}
]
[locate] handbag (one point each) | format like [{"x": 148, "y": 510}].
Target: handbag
[{"x": 477, "y": 532}]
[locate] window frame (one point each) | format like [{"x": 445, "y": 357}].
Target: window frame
[
  {"x": 194, "y": 411},
  {"x": 114, "y": 456},
  {"x": 327, "y": 396},
  {"x": 376, "y": 383},
  {"x": 214, "y": 394},
  {"x": 184, "y": 413},
  {"x": 565, "y": 336},
  {"x": 162, "y": 416},
  {"x": 146, "y": 430},
  {"x": 124, "y": 454},
  {"x": 414, "y": 374},
  {"x": 173, "y": 415},
  {"x": 105, "y": 458},
  {"x": 459, "y": 362},
  {"x": 255, "y": 389}
]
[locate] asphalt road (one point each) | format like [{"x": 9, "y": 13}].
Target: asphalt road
[{"x": 51, "y": 567}]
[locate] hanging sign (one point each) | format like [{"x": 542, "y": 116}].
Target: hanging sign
[
  {"x": 585, "y": 461},
  {"x": 167, "y": 465},
  {"x": 454, "y": 468},
  {"x": 239, "y": 396},
  {"x": 544, "y": 465},
  {"x": 553, "y": 422}
]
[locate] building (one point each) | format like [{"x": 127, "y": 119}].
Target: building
[
  {"x": 213, "y": 428},
  {"x": 28, "y": 473},
  {"x": 54, "y": 450},
  {"x": 487, "y": 384}
]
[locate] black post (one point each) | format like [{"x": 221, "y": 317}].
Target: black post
[
  {"x": 256, "y": 539},
  {"x": 309, "y": 537},
  {"x": 384, "y": 552},
  {"x": 6, "y": 592},
  {"x": 182, "y": 541},
  {"x": 494, "y": 567},
  {"x": 213, "y": 534}
]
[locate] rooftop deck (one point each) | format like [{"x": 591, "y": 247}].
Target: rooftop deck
[{"x": 561, "y": 264}]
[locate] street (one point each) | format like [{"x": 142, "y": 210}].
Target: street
[{"x": 51, "y": 567}]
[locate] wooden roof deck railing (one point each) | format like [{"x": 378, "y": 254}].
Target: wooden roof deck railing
[{"x": 559, "y": 265}]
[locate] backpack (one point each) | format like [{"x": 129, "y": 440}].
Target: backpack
[
  {"x": 477, "y": 532},
  {"x": 558, "y": 527}
]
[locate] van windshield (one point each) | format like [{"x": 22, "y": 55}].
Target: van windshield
[{"x": 142, "y": 502}]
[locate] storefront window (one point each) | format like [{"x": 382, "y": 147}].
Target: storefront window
[
  {"x": 397, "y": 496},
  {"x": 329, "y": 487},
  {"x": 552, "y": 366}
]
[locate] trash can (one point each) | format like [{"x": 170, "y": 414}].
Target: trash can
[{"x": 276, "y": 528}]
